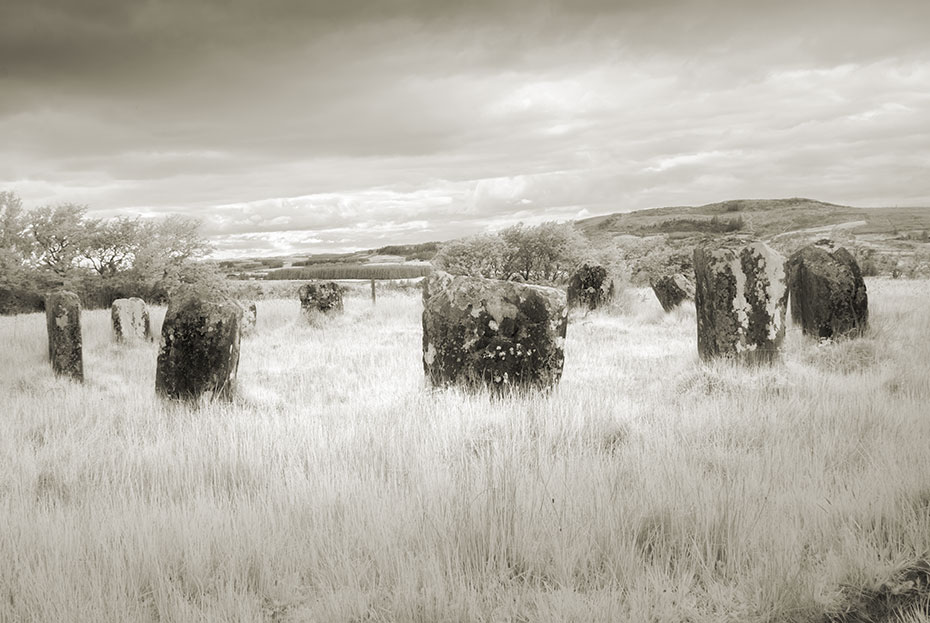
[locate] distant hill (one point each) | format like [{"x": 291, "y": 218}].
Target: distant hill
[
  {"x": 763, "y": 217},
  {"x": 886, "y": 241}
]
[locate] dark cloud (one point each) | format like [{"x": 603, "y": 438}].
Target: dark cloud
[{"x": 283, "y": 119}]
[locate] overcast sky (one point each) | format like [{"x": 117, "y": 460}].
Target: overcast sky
[{"x": 298, "y": 126}]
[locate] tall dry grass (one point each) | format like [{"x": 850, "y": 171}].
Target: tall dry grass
[{"x": 338, "y": 487}]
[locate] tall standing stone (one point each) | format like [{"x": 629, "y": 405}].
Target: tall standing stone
[
  {"x": 63, "y": 319},
  {"x": 590, "y": 287},
  {"x": 249, "y": 316},
  {"x": 672, "y": 290},
  {"x": 199, "y": 352},
  {"x": 741, "y": 299},
  {"x": 828, "y": 294},
  {"x": 325, "y": 297},
  {"x": 130, "y": 320},
  {"x": 485, "y": 332}
]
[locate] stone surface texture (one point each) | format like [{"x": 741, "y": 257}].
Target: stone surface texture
[
  {"x": 828, "y": 294},
  {"x": 590, "y": 287},
  {"x": 198, "y": 356},
  {"x": 130, "y": 320},
  {"x": 488, "y": 333},
  {"x": 249, "y": 316},
  {"x": 318, "y": 296},
  {"x": 741, "y": 299},
  {"x": 672, "y": 290},
  {"x": 63, "y": 320}
]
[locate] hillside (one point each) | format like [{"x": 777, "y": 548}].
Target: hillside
[
  {"x": 763, "y": 217},
  {"x": 886, "y": 241}
]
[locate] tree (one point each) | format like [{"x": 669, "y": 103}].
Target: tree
[
  {"x": 111, "y": 245},
  {"x": 14, "y": 247},
  {"x": 167, "y": 253},
  {"x": 100, "y": 259},
  {"x": 483, "y": 255},
  {"x": 58, "y": 233},
  {"x": 546, "y": 253}
]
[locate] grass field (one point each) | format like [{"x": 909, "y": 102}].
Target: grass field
[
  {"x": 352, "y": 271},
  {"x": 338, "y": 487}
]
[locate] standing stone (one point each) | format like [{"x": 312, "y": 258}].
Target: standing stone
[
  {"x": 590, "y": 287},
  {"x": 249, "y": 316},
  {"x": 485, "y": 332},
  {"x": 828, "y": 295},
  {"x": 741, "y": 298},
  {"x": 672, "y": 290},
  {"x": 199, "y": 353},
  {"x": 374, "y": 296},
  {"x": 325, "y": 297},
  {"x": 63, "y": 319},
  {"x": 130, "y": 319}
]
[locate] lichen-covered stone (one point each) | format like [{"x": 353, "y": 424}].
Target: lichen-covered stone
[
  {"x": 130, "y": 320},
  {"x": 485, "y": 332},
  {"x": 672, "y": 290},
  {"x": 63, "y": 319},
  {"x": 249, "y": 316},
  {"x": 590, "y": 287},
  {"x": 199, "y": 352},
  {"x": 828, "y": 294},
  {"x": 325, "y": 297},
  {"x": 741, "y": 299}
]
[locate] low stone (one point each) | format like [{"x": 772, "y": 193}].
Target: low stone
[
  {"x": 199, "y": 352},
  {"x": 828, "y": 293},
  {"x": 672, "y": 290},
  {"x": 487, "y": 333},
  {"x": 590, "y": 287},
  {"x": 130, "y": 320},
  {"x": 63, "y": 319},
  {"x": 325, "y": 297},
  {"x": 741, "y": 298}
]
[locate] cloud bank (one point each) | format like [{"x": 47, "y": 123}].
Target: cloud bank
[{"x": 297, "y": 127}]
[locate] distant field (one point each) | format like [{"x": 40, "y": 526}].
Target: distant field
[
  {"x": 338, "y": 488},
  {"x": 352, "y": 271}
]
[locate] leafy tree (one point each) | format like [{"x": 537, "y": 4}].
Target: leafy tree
[
  {"x": 168, "y": 251},
  {"x": 14, "y": 247},
  {"x": 111, "y": 245},
  {"x": 58, "y": 233},
  {"x": 484, "y": 255},
  {"x": 99, "y": 259},
  {"x": 546, "y": 253}
]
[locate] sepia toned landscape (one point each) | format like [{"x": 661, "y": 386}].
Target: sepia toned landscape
[
  {"x": 501, "y": 311},
  {"x": 338, "y": 487}
]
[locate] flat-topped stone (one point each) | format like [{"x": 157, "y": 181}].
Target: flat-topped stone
[
  {"x": 497, "y": 334},
  {"x": 740, "y": 297},
  {"x": 130, "y": 320},
  {"x": 590, "y": 286},
  {"x": 199, "y": 351},
  {"x": 320, "y": 296}
]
